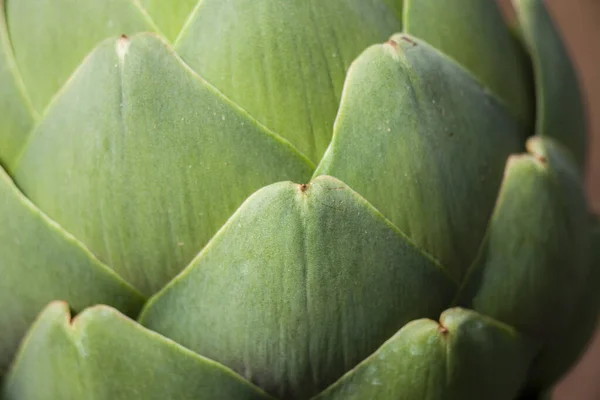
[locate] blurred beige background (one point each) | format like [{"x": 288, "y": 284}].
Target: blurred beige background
[{"x": 579, "y": 21}]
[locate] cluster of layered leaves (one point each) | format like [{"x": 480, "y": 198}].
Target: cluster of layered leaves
[{"x": 259, "y": 199}]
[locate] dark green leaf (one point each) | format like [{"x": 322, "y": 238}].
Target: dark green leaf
[
  {"x": 568, "y": 345},
  {"x": 535, "y": 260},
  {"x": 560, "y": 109}
]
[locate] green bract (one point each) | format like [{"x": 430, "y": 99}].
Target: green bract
[{"x": 300, "y": 199}]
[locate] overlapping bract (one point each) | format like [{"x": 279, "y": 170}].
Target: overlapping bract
[{"x": 262, "y": 199}]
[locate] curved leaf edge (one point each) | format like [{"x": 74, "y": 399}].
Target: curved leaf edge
[
  {"x": 13, "y": 68},
  {"x": 526, "y": 39},
  {"x": 529, "y": 72},
  {"x": 227, "y": 225},
  {"x": 213, "y": 90},
  {"x": 398, "y": 42},
  {"x": 73, "y": 322},
  {"x": 405, "y": 37},
  {"x": 68, "y": 237},
  {"x": 443, "y": 330},
  {"x": 544, "y": 379},
  {"x": 188, "y": 22},
  {"x": 7, "y": 43},
  {"x": 395, "y": 43},
  {"x": 535, "y": 150}
]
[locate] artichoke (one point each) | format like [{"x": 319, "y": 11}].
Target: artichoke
[{"x": 299, "y": 199}]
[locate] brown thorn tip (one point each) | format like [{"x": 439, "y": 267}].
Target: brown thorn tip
[
  {"x": 443, "y": 330},
  {"x": 304, "y": 187},
  {"x": 393, "y": 43},
  {"x": 540, "y": 158}
]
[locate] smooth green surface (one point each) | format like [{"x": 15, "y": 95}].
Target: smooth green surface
[
  {"x": 102, "y": 355},
  {"x": 131, "y": 158},
  {"x": 17, "y": 113},
  {"x": 420, "y": 139},
  {"x": 396, "y": 6},
  {"x": 51, "y": 38},
  {"x": 298, "y": 287},
  {"x": 536, "y": 255},
  {"x": 39, "y": 263},
  {"x": 465, "y": 356},
  {"x": 567, "y": 346},
  {"x": 170, "y": 16},
  {"x": 475, "y": 34},
  {"x": 560, "y": 109},
  {"x": 285, "y": 61},
  {"x": 153, "y": 162}
]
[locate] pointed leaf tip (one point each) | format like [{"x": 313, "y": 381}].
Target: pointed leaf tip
[
  {"x": 123, "y": 44},
  {"x": 425, "y": 143},
  {"x": 534, "y": 259},
  {"x": 289, "y": 70},
  {"x": 191, "y": 158},
  {"x": 51, "y": 38},
  {"x": 475, "y": 35},
  {"x": 101, "y": 351},
  {"x": 302, "y": 279},
  {"x": 464, "y": 356},
  {"x": 560, "y": 112},
  {"x": 41, "y": 262}
]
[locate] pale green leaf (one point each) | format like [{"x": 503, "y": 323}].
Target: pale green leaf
[
  {"x": 39, "y": 263},
  {"x": 51, "y": 38},
  {"x": 475, "y": 34},
  {"x": 152, "y": 160},
  {"x": 300, "y": 285},
  {"x": 102, "y": 355},
  {"x": 465, "y": 356},
  {"x": 535, "y": 260},
  {"x": 169, "y": 16},
  {"x": 419, "y": 138},
  {"x": 560, "y": 110},
  {"x": 17, "y": 115},
  {"x": 284, "y": 61}
]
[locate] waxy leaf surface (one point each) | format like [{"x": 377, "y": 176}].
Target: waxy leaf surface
[
  {"x": 420, "y": 139},
  {"x": 560, "y": 110},
  {"x": 39, "y": 263},
  {"x": 475, "y": 34},
  {"x": 153, "y": 162},
  {"x": 102, "y": 355},
  {"x": 285, "y": 61},
  {"x": 465, "y": 356},
  {"x": 170, "y": 16},
  {"x": 18, "y": 114},
  {"x": 567, "y": 345},
  {"x": 299, "y": 286},
  {"x": 535, "y": 260},
  {"x": 51, "y": 38}
]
